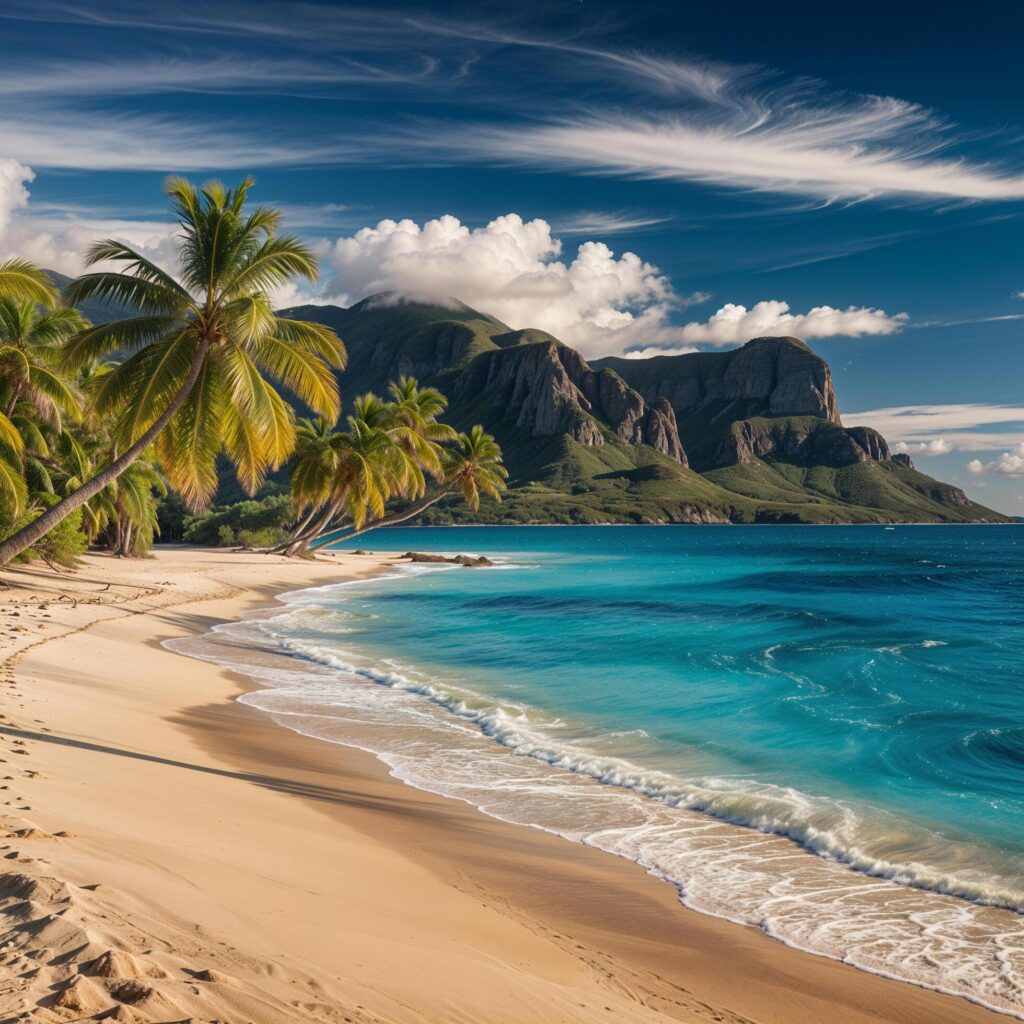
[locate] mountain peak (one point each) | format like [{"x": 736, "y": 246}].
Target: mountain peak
[
  {"x": 778, "y": 342},
  {"x": 455, "y": 308}
]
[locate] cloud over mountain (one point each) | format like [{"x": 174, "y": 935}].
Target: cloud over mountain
[{"x": 593, "y": 299}]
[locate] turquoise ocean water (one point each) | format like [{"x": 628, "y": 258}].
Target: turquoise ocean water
[{"x": 817, "y": 731}]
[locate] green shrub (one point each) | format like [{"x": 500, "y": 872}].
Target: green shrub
[
  {"x": 264, "y": 538},
  {"x": 225, "y": 525}
]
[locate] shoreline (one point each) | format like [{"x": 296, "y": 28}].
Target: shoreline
[{"x": 491, "y": 921}]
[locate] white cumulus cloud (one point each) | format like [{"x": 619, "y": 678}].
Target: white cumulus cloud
[
  {"x": 656, "y": 350},
  {"x": 513, "y": 269},
  {"x": 1009, "y": 463},
  {"x": 940, "y": 446},
  {"x": 593, "y": 299},
  {"x": 58, "y": 238},
  {"x": 734, "y": 324},
  {"x": 14, "y": 177},
  {"x": 601, "y": 302}
]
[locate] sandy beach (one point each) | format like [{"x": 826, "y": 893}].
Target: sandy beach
[{"x": 171, "y": 854}]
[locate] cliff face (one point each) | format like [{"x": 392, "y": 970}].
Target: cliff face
[
  {"x": 552, "y": 390},
  {"x": 783, "y": 372},
  {"x": 780, "y": 376},
  {"x": 802, "y": 440},
  {"x": 772, "y": 397}
]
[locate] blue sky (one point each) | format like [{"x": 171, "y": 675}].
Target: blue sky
[{"x": 631, "y": 177}]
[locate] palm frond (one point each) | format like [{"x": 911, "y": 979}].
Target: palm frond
[
  {"x": 317, "y": 339},
  {"x": 127, "y": 335},
  {"x": 188, "y": 447},
  {"x": 12, "y": 485},
  {"x": 23, "y": 281},
  {"x": 306, "y": 376},
  {"x": 277, "y": 260},
  {"x": 127, "y": 290},
  {"x": 138, "y": 266},
  {"x": 9, "y": 434}
]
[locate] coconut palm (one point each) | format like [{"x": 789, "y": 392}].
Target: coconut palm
[
  {"x": 475, "y": 467},
  {"x": 205, "y": 351},
  {"x": 124, "y": 513},
  {"x": 349, "y": 473},
  {"x": 31, "y": 341},
  {"x": 402, "y": 437},
  {"x": 33, "y": 394},
  {"x": 471, "y": 468}
]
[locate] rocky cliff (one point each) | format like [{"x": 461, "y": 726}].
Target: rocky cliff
[
  {"x": 771, "y": 397},
  {"x": 550, "y": 389},
  {"x": 781, "y": 375}
]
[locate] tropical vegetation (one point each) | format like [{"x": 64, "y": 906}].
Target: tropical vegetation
[{"x": 109, "y": 430}]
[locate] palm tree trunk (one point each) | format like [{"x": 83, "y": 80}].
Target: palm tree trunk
[
  {"x": 28, "y": 535},
  {"x": 301, "y": 541},
  {"x": 13, "y": 400},
  {"x": 392, "y": 520},
  {"x": 300, "y": 528},
  {"x": 296, "y": 532}
]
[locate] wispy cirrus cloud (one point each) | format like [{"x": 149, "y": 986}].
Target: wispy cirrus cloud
[
  {"x": 869, "y": 148},
  {"x": 682, "y": 118},
  {"x": 590, "y": 222},
  {"x": 73, "y": 139},
  {"x": 213, "y": 73}
]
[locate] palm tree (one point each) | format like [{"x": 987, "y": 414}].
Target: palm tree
[
  {"x": 475, "y": 466},
  {"x": 31, "y": 341},
  {"x": 472, "y": 467},
  {"x": 33, "y": 395},
  {"x": 401, "y": 441},
  {"x": 203, "y": 355},
  {"x": 344, "y": 472},
  {"x": 124, "y": 513}
]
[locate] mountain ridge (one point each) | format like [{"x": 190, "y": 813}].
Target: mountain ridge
[{"x": 752, "y": 434}]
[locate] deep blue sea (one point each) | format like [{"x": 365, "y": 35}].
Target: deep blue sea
[{"x": 817, "y": 731}]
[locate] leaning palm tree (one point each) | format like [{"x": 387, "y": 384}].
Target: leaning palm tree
[
  {"x": 402, "y": 442},
  {"x": 124, "y": 514},
  {"x": 473, "y": 467},
  {"x": 348, "y": 473},
  {"x": 204, "y": 352}
]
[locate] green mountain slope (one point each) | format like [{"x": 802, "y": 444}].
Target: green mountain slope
[{"x": 749, "y": 435}]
